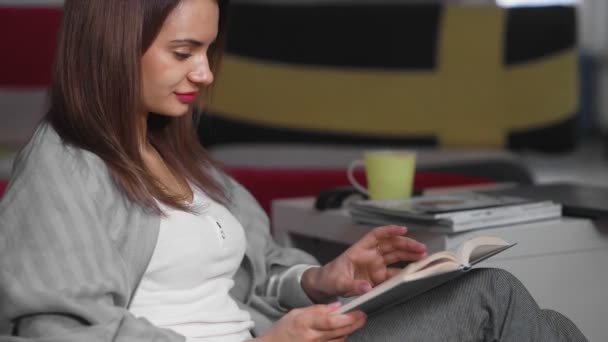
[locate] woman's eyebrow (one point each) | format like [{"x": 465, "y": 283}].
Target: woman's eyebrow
[{"x": 188, "y": 41}]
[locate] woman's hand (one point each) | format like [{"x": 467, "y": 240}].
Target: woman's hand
[
  {"x": 314, "y": 323},
  {"x": 363, "y": 265}
]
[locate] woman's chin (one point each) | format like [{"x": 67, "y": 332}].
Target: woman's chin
[{"x": 176, "y": 111}]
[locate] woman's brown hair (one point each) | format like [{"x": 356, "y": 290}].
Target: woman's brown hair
[{"x": 95, "y": 97}]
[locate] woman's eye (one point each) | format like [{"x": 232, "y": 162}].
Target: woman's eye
[{"x": 180, "y": 55}]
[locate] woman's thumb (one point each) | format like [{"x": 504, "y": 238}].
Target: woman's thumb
[{"x": 361, "y": 286}]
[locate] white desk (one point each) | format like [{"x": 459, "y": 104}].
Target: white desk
[{"x": 562, "y": 262}]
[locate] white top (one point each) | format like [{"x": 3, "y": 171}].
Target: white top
[{"x": 185, "y": 287}]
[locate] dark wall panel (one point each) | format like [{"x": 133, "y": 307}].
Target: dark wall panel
[{"x": 387, "y": 36}]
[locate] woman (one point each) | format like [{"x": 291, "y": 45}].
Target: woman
[{"x": 116, "y": 226}]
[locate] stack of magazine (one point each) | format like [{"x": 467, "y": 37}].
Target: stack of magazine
[{"x": 456, "y": 212}]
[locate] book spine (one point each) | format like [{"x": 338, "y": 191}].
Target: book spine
[{"x": 463, "y": 217}]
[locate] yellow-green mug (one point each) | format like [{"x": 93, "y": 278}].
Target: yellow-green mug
[{"x": 390, "y": 173}]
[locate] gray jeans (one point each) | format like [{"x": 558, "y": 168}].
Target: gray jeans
[{"x": 483, "y": 305}]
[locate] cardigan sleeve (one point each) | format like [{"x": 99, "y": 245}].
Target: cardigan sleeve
[
  {"x": 61, "y": 276},
  {"x": 278, "y": 270}
]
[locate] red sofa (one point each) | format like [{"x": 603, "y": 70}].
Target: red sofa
[
  {"x": 267, "y": 184},
  {"x": 3, "y": 185}
]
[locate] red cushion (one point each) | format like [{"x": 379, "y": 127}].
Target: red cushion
[
  {"x": 269, "y": 184},
  {"x": 28, "y": 35},
  {"x": 3, "y": 185}
]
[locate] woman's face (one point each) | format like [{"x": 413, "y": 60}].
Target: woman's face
[{"x": 176, "y": 64}]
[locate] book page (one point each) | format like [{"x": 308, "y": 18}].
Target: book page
[
  {"x": 434, "y": 263},
  {"x": 430, "y": 260},
  {"x": 478, "y": 247},
  {"x": 439, "y": 266}
]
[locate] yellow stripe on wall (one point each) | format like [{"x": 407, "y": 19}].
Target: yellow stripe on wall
[
  {"x": 470, "y": 63},
  {"x": 543, "y": 91},
  {"x": 327, "y": 99},
  {"x": 471, "y": 99}
]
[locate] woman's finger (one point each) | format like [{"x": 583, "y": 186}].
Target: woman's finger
[
  {"x": 403, "y": 243},
  {"x": 359, "y": 286},
  {"x": 332, "y": 322},
  {"x": 377, "y": 271},
  {"x": 347, "y": 330},
  {"x": 392, "y": 271},
  {"x": 371, "y": 239},
  {"x": 411, "y": 244},
  {"x": 400, "y": 243}
]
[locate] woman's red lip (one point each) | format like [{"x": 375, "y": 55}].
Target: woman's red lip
[{"x": 186, "y": 97}]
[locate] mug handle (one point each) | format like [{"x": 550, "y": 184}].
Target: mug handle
[{"x": 351, "y": 176}]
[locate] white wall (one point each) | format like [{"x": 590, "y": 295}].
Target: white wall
[{"x": 593, "y": 17}]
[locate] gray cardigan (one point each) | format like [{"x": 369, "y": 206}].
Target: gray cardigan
[{"x": 73, "y": 250}]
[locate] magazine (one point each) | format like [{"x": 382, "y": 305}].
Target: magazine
[{"x": 453, "y": 212}]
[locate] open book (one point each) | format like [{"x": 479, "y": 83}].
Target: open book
[{"x": 423, "y": 275}]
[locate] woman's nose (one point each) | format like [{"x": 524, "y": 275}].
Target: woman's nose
[{"x": 202, "y": 73}]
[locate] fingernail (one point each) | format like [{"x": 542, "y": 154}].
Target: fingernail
[
  {"x": 334, "y": 305},
  {"x": 365, "y": 287},
  {"x": 344, "y": 318}
]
